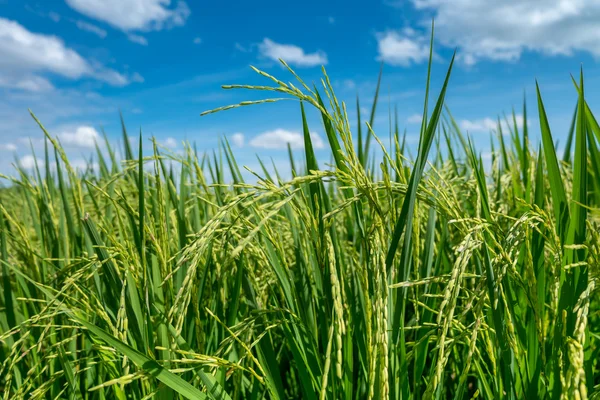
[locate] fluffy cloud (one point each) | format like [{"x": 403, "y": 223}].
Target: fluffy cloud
[
  {"x": 24, "y": 54},
  {"x": 279, "y": 139},
  {"x": 82, "y": 136},
  {"x": 402, "y": 49},
  {"x": 489, "y": 124},
  {"x": 20, "y": 48},
  {"x": 80, "y": 164},
  {"x": 114, "y": 78},
  {"x": 8, "y": 147},
  {"x": 291, "y": 54},
  {"x": 131, "y": 15},
  {"x": 29, "y": 83},
  {"x": 503, "y": 30},
  {"x": 238, "y": 139},
  {"x": 478, "y": 125},
  {"x": 170, "y": 143},
  {"x": 27, "y": 162}
]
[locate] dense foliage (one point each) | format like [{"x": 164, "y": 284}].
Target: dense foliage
[{"x": 435, "y": 276}]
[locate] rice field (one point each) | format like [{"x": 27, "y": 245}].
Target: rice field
[{"x": 432, "y": 276}]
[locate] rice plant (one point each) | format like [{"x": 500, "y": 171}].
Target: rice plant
[{"x": 166, "y": 276}]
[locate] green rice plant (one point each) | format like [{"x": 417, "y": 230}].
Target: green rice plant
[{"x": 163, "y": 275}]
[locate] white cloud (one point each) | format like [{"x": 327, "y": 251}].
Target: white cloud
[
  {"x": 112, "y": 77},
  {"x": 85, "y": 26},
  {"x": 131, "y": 15},
  {"x": 170, "y": 143},
  {"x": 279, "y": 138},
  {"x": 81, "y": 164},
  {"x": 27, "y": 162},
  {"x": 23, "y": 54},
  {"x": 415, "y": 119},
  {"x": 8, "y": 147},
  {"x": 238, "y": 139},
  {"x": 518, "y": 118},
  {"x": 139, "y": 39},
  {"x": 82, "y": 136},
  {"x": 489, "y": 124},
  {"x": 62, "y": 110},
  {"x": 402, "y": 49},
  {"x": 29, "y": 83},
  {"x": 478, "y": 125},
  {"x": 20, "y": 48},
  {"x": 503, "y": 30},
  {"x": 291, "y": 54},
  {"x": 197, "y": 40}
]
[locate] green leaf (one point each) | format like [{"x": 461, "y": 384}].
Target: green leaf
[
  {"x": 147, "y": 364},
  {"x": 557, "y": 189}
]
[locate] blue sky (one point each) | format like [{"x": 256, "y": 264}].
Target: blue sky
[{"x": 76, "y": 63}]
